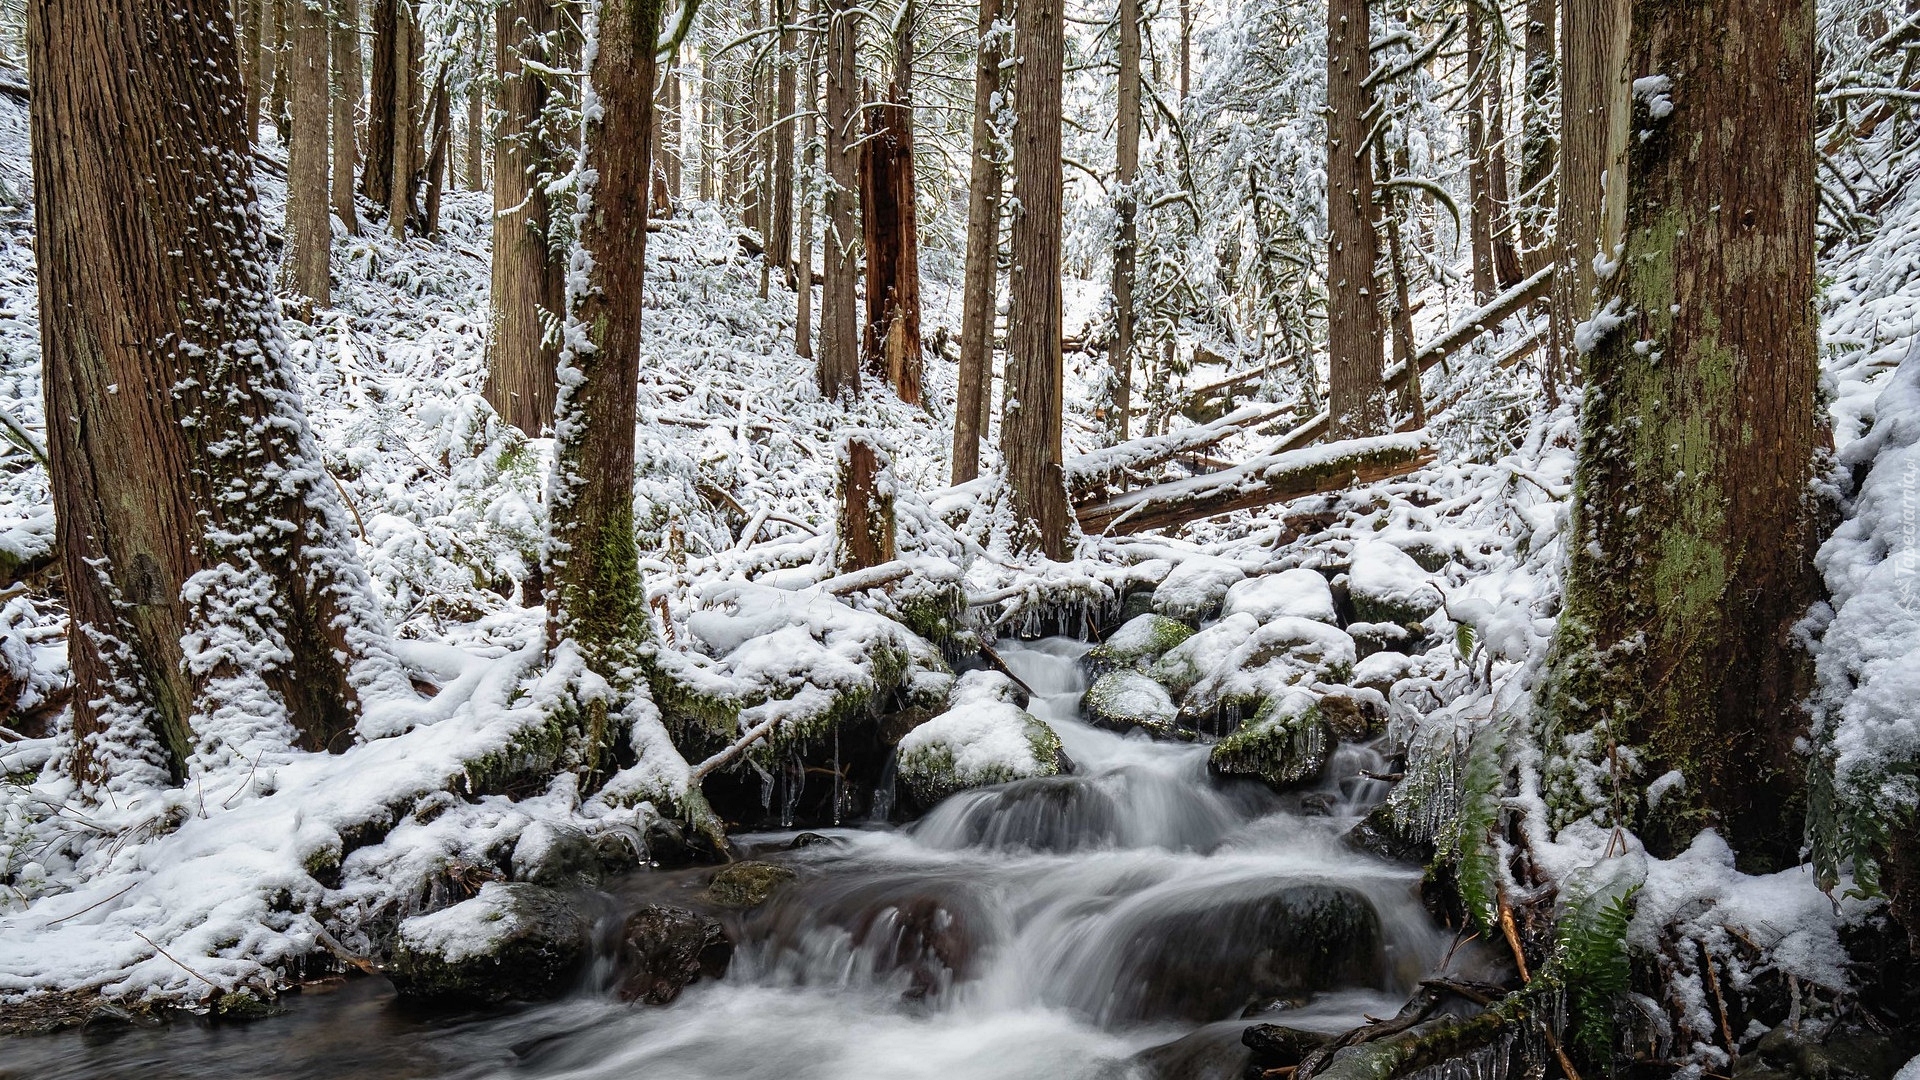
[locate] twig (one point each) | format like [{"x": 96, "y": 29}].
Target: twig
[
  {"x": 176, "y": 960},
  {"x": 90, "y": 907},
  {"x": 994, "y": 659},
  {"x": 333, "y": 946},
  {"x": 1513, "y": 936},
  {"x": 1719, "y": 1004}
]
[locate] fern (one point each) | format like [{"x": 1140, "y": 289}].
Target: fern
[
  {"x": 1473, "y": 848},
  {"x": 1591, "y": 941}
]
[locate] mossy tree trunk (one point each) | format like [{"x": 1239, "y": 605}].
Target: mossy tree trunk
[
  {"x": 209, "y": 573},
  {"x": 1692, "y": 532},
  {"x": 838, "y": 363},
  {"x": 1030, "y": 435},
  {"x": 595, "y": 598}
]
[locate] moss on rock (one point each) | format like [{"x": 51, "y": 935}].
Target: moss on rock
[
  {"x": 1288, "y": 743},
  {"x": 747, "y": 884},
  {"x": 1124, "y": 700},
  {"x": 1143, "y": 640}
]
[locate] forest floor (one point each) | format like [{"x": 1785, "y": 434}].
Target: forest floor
[{"x": 1446, "y": 582}]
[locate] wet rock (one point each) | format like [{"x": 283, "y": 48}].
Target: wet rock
[
  {"x": 510, "y": 942},
  {"x": 1379, "y": 834},
  {"x": 982, "y": 739},
  {"x": 1137, "y": 644},
  {"x": 1195, "y": 589},
  {"x": 663, "y": 950},
  {"x": 1276, "y": 1046},
  {"x": 1209, "y": 960},
  {"x": 1054, "y": 814},
  {"x": 1211, "y": 1053},
  {"x": 1388, "y": 586},
  {"x": 1298, "y": 593},
  {"x": 811, "y": 839},
  {"x": 1288, "y": 744},
  {"x": 907, "y": 932},
  {"x": 1355, "y": 715},
  {"x": 747, "y": 884},
  {"x": 1848, "y": 1056},
  {"x": 1124, "y": 700},
  {"x": 556, "y": 855}
]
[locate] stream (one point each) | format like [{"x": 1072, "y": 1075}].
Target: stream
[{"x": 1118, "y": 922}]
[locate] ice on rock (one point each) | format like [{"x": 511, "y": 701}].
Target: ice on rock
[{"x": 1300, "y": 592}]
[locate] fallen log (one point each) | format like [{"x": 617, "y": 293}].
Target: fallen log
[
  {"x": 1462, "y": 334},
  {"x": 1264, "y": 480}
]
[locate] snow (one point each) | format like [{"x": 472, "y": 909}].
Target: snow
[
  {"x": 1196, "y": 587},
  {"x": 1387, "y": 576},
  {"x": 473, "y": 928},
  {"x": 984, "y": 731},
  {"x": 1297, "y": 592}
]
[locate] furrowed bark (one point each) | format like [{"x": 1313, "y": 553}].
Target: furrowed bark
[
  {"x": 190, "y": 499},
  {"x": 838, "y": 368},
  {"x": 1030, "y": 436},
  {"x": 974, "y": 393},
  {"x": 1591, "y": 182},
  {"x": 1355, "y": 398},
  {"x": 595, "y": 598},
  {"x": 892, "y": 340},
  {"x": 345, "y": 45},
  {"x": 1126, "y": 165},
  {"x": 376, "y": 173},
  {"x": 400, "y": 184},
  {"x": 525, "y": 278},
  {"x": 1692, "y": 530},
  {"x": 309, "y": 233}
]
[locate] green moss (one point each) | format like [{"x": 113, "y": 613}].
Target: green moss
[
  {"x": 1284, "y": 744},
  {"x": 244, "y": 1005},
  {"x": 747, "y": 884},
  {"x": 1143, "y": 640}
]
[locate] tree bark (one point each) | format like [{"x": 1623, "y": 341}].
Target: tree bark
[
  {"x": 838, "y": 368},
  {"x": 440, "y": 142},
  {"x": 1692, "y": 533},
  {"x": 219, "y": 611},
  {"x": 520, "y": 362},
  {"x": 671, "y": 128},
  {"x": 309, "y": 233},
  {"x": 1505, "y": 247},
  {"x": 596, "y": 599},
  {"x": 803, "y": 241},
  {"x": 973, "y": 395},
  {"x": 406, "y": 91},
  {"x": 1591, "y": 182},
  {"x": 1479, "y": 182},
  {"x": 1126, "y": 165},
  {"x": 1355, "y": 398},
  {"x": 891, "y": 229},
  {"x": 1539, "y": 139},
  {"x": 278, "y": 89},
  {"x": 780, "y": 232},
  {"x": 345, "y": 45},
  {"x": 250, "y": 63},
  {"x": 865, "y": 534},
  {"x": 1030, "y": 437},
  {"x": 476, "y": 177},
  {"x": 376, "y": 173}
]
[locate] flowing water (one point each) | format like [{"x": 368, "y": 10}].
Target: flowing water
[{"x": 1114, "y": 923}]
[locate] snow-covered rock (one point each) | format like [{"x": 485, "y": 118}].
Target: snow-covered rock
[
  {"x": 509, "y": 942},
  {"x": 1142, "y": 640},
  {"x": 1388, "y": 586},
  {"x": 1195, "y": 589},
  {"x": 983, "y": 738},
  {"x": 1126, "y": 699},
  {"x": 1300, "y": 592},
  {"x": 1288, "y": 743}
]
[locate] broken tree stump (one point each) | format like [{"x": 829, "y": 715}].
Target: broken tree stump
[{"x": 866, "y": 529}]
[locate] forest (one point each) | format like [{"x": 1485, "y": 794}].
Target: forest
[{"x": 832, "y": 540}]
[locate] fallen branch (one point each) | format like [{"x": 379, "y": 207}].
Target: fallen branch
[
  {"x": 1260, "y": 482},
  {"x": 870, "y": 578}
]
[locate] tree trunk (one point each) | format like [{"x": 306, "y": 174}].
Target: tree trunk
[
  {"x": 476, "y": 117},
  {"x": 1186, "y": 52},
  {"x": 708, "y": 134},
  {"x": 839, "y": 361},
  {"x": 780, "y": 234},
  {"x": 1591, "y": 181},
  {"x": 278, "y": 91},
  {"x": 194, "y": 514},
  {"x": 406, "y": 89},
  {"x": 973, "y": 396},
  {"x": 803, "y": 240},
  {"x": 1692, "y": 521},
  {"x": 1479, "y": 182},
  {"x": 1030, "y": 439},
  {"x": 520, "y": 363},
  {"x": 1538, "y": 138},
  {"x": 1126, "y": 164},
  {"x": 1355, "y": 399},
  {"x": 596, "y": 599},
  {"x": 670, "y": 150},
  {"x": 345, "y": 45},
  {"x": 865, "y": 534},
  {"x": 1506, "y": 252},
  {"x": 376, "y": 174},
  {"x": 892, "y": 344},
  {"x": 440, "y": 141},
  {"x": 309, "y": 233},
  {"x": 251, "y": 69}
]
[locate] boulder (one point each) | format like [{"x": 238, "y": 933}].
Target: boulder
[
  {"x": 1288, "y": 744},
  {"x": 1137, "y": 644},
  {"x": 1276, "y": 1046},
  {"x": 1380, "y": 833},
  {"x": 983, "y": 738},
  {"x": 1300, "y": 593},
  {"x": 747, "y": 884},
  {"x": 1355, "y": 714},
  {"x": 1239, "y": 945},
  {"x": 1202, "y": 654},
  {"x": 664, "y": 949},
  {"x": 509, "y": 942},
  {"x": 1380, "y": 670},
  {"x": 1195, "y": 589},
  {"x": 1387, "y": 586},
  {"x": 1124, "y": 700},
  {"x": 1284, "y": 653},
  {"x": 556, "y": 855}
]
